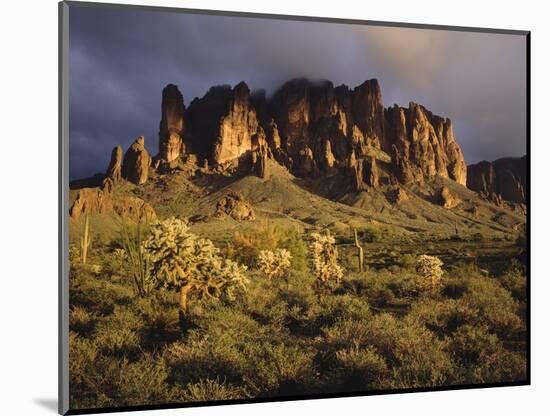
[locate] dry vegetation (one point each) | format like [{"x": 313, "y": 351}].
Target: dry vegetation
[{"x": 301, "y": 319}]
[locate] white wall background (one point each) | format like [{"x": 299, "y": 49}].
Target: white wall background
[{"x": 28, "y": 207}]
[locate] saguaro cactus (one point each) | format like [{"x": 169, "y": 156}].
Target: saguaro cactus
[
  {"x": 359, "y": 251},
  {"x": 85, "y": 240}
]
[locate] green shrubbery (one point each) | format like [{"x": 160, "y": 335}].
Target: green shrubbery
[
  {"x": 378, "y": 329},
  {"x": 246, "y": 245}
]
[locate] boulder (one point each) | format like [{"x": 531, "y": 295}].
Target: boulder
[
  {"x": 135, "y": 166},
  {"x": 235, "y": 206},
  {"x": 447, "y": 198},
  {"x": 114, "y": 171}
]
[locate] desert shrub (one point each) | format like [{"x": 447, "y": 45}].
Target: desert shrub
[
  {"x": 464, "y": 270},
  {"x": 264, "y": 301},
  {"x": 114, "y": 381},
  {"x": 498, "y": 309},
  {"x": 274, "y": 264},
  {"x": 347, "y": 333},
  {"x": 157, "y": 311},
  {"x": 334, "y": 308},
  {"x": 302, "y": 305},
  {"x": 429, "y": 273},
  {"x": 143, "y": 381},
  {"x": 293, "y": 242},
  {"x": 413, "y": 355},
  {"x": 416, "y": 358},
  {"x": 274, "y": 367},
  {"x": 454, "y": 288},
  {"x": 242, "y": 351},
  {"x": 489, "y": 303},
  {"x": 443, "y": 317},
  {"x": 243, "y": 248},
  {"x": 407, "y": 261},
  {"x": 381, "y": 288},
  {"x": 81, "y": 321},
  {"x": 82, "y": 354},
  {"x": 482, "y": 358},
  {"x": 360, "y": 367},
  {"x": 97, "y": 296},
  {"x": 514, "y": 279},
  {"x": 323, "y": 257},
  {"x": 246, "y": 245},
  {"x": 212, "y": 390},
  {"x": 371, "y": 234},
  {"x": 117, "y": 333},
  {"x": 191, "y": 265}
]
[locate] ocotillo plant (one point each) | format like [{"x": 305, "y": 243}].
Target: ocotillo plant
[
  {"x": 85, "y": 240},
  {"x": 138, "y": 260},
  {"x": 359, "y": 251}
]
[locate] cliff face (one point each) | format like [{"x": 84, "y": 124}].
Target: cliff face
[
  {"x": 171, "y": 141},
  {"x": 312, "y": 128},
  {"x": 223, "y": 124},
  {"x": 423, "y": 145},
  {"x": 501, "y": 180},
  {"x": 322, "y": 127}
]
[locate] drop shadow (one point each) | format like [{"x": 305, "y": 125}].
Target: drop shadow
[{"x": 48, "y": 404}]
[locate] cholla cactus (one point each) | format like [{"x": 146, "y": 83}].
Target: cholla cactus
[
  {"x": 182, "y": 261},
  {"x": 74, "y": 253},
  {"x": 275, "y": 264},
  {"x": 429, "y": 271},
  {"x": 323, "y": 257}
]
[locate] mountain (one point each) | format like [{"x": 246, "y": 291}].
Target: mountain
[
  {"x": 311, "y": 128},
  {"x": 501, "y": 180},
  {"x": 311, "y": 154}
]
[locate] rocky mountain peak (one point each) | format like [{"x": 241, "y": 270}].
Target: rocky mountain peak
[
  {"x": 311, "y": 128},
  {"x": 171, "y": 142}
]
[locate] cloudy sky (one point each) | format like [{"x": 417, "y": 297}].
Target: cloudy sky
[{"x": 120, "y": 59}]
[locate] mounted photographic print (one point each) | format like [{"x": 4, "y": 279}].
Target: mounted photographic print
[{"x": 262, "y": 208}]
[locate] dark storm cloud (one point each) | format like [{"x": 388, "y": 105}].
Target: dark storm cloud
[{"x": 121, "y": 59}]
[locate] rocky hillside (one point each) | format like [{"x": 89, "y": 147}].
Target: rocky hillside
[
  {"x": 342, "y": 142},
  {"x": 499, "y": 181}
]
